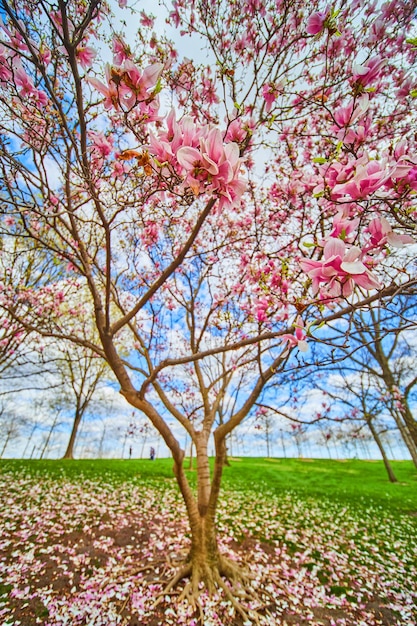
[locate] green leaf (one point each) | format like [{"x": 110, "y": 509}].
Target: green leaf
[
  {"x": 319, "y": 160},
  {"x": 158, "y": 87},
  {"x": 271, "y": 121}
]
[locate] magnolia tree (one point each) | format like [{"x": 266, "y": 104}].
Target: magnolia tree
[
  {"x": 216, "y": 214},
  {"x": 19, "y": 264}
]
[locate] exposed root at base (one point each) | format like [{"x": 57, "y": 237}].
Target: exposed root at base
[{"x": 225, "y": 576}]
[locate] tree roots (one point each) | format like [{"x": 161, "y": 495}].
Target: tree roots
[{"x": 224, "y": 576}]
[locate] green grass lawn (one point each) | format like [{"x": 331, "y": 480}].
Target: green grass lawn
[
  {"x": 358, "y": 482},
  {"x": 354, "y": 481}
]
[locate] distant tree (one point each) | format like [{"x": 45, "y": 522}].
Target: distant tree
[
  {"x": 382, "y": 353},
  {"x": 55, "y": 409},
  {"x": 265, "y": 426},
  {"x": 363, "y": 402},
  {"x": 81, "y": 373},
  {"x": 393, "y": 356},
  {"x": 11, "y": 425}
]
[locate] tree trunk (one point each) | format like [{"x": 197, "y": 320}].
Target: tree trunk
[
  {"x": 204, "y": 563},
  {"x": 100, "y": 448},
  {"x": 45, "y": 447},
  {"x": 378, "y": 442},
  {"x": 268, "y": 447},
  {"x": 190, "y": 465},
  {"x": 143, "y": 445},
  {"x": 204, "y": 557},
  {"x": 405, "y": 434},
  {"x": 29, "y": 440},
  {"x": 5, "y": 445},
  {"x": 284, "y": 450},
  {"x": 410, "y": 422},
  {"x": 390, "y": 382},
  {"x": 69, "y": 452}
]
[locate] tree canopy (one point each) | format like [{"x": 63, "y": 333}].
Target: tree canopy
[{"x": 222, "y": 215}]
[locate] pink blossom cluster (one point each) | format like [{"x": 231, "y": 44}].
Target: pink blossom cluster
[
  {"x": 340, "y": 269},
  {"x": 101, "y": 147},
  {"x": 270, "y": 92},
  {"x": 346, "y": 116},
  {"x": 201, "y": 158},
  {"x": 12, "y": 70},
  {"x": 343, "y": 265},
  {"x": 381, "y": 234},
  {"x": 50, "y": 300},
  {"x": 127, "y": 86},
  {"x": 397, "y": 397},
  {"x": 358, "y": 177}
]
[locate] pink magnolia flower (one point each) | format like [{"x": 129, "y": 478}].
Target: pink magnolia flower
[
  {"x": 261, "y": 309},
  {"x": 141, "y": 81},
  {"x": 238, "y": 130},
  {"x": 405, "y": 88},
  {"x": 146, "y": 20},
  {"x": 270, "y": 92},
  {"x": 403, "y": 175},
  {"x": 298, "y": 339},
  {"x": 356, "y": 136},
  {"x": 316, "y": 22},
  {"x": 5, "y": 72},
  {"x": 344, "y": 227},
  {"x": 127, "y": 85},
  {"x": 121, "y": 51},
  {"x": 368, "y": 177},
  {"x": 45, "y": 55},
  {"x": 22, "y": 80},
  {"x": 27, "y": 88},
  {"x": 86, "y": 56},
  {"x": 214, "y": 166},
  {"x": 340, "y": 270},
  {"x": 109, "y": 91},
  {"x": 381, "y": 233},
  {"x": 345, "y": 116},
  {"x": 365, "y": 74},
  {"x": 103, "y": 144},
  {"x": 177, "y": 135}
]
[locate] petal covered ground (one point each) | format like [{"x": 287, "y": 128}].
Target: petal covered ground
[{"x": 98, "y": 553}]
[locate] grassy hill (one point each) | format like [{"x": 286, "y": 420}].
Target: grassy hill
[{"x": 354, "y": 481}]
